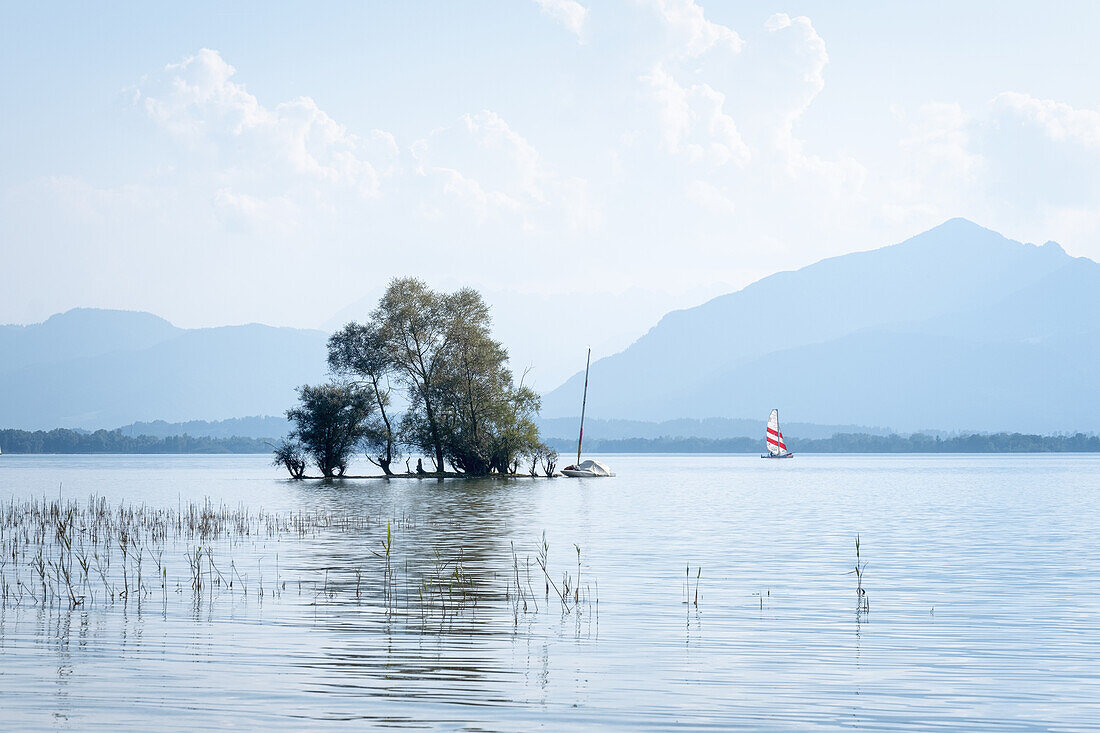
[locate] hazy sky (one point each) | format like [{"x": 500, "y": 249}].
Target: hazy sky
[{"x": 277, "y": 162}]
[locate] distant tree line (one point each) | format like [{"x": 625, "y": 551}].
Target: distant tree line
[
  {"x": 62, "y": 440},
  {"x": 854, "y": 443},
  {"x": 463, "y": 408}
]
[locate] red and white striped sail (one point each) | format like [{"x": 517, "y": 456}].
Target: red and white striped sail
[{"x": 773, "y": 436}]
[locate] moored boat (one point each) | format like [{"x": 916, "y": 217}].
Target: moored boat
[{"x": 586, "y": 469}]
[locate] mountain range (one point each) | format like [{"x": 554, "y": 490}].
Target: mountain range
[
  {"x": 90, "y": 368},
  {"x": 263, "y": 428},
  {"x": 958, "y": 328}
]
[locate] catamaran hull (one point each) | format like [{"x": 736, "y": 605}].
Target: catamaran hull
[{"x": 783, "y": 455}]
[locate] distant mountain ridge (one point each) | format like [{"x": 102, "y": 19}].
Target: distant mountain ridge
[
  {"x": 958, "y": 327},
  {"x": 260, "y": 427},
  {"x": 80, "y": 332},
  {"x": 955, "y": 329},
  {"x": 90, "y": 368}
]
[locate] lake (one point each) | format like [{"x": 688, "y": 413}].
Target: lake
[{"x": 704, "y": 592}]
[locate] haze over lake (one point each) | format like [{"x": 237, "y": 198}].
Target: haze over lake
[
  {"x": 982, "y": 573},
  {"x": 319, "y": 323}
]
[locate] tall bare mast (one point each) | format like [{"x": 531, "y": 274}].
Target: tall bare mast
[{"x": 584, "y": 401}]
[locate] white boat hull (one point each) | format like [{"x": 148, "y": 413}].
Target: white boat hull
[{"x": 580, "y": 473}]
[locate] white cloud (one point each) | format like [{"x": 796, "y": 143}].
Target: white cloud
[
  {"x": 569, "y": 13},
  {"x": 241, "y": 212},
  {"x": 1058, "y": 121},
  {"x": 939, "y": 160},
  {"x": 1041, "y": 154},
  {"x": 940, "y": 127},
  {"x": 692, "y": 32},
  {"x": 745, "y": 111},
  {"x": 711, "y": 197},
  {"x": 777, "y": 22},
  {"x": 491, "y": 171},
  {"x": 288, "y": 168},
  {"x": 719, "y": 149},
  {"x": 199, "y": 103},
  {"x": 469, "y": 192},
  {"x": 803, "y": 55},
  {"x": 489, "y": 132},
  {"x": 1029, "y": 164},
  {"x": 693, "y": 122},
  {"x": 806, "y": 55}
]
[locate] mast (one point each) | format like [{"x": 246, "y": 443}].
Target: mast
[{"x": 584, "y": 402}]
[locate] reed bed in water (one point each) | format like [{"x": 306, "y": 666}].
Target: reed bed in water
[{"x": 69, "y": 553}]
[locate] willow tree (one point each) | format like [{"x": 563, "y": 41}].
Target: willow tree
[
  {"x": 463, "y": 406},
  {"x": 290, "y": 455},
  {"x": 329, "y": 422},
  {"x": 488, "y": 420},
  {"x": 420, "y": 328},
  {"x": 359, "y": 351}
]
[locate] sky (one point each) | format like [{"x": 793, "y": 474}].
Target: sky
[{"x": 588, "y": 165}]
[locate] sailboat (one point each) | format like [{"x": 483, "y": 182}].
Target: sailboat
[
  {"x": 585, "y": 469},
  {"x": 773, "y": 438}
]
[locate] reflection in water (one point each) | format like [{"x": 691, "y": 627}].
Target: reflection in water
[
  {"x": 291, "y": 615},
  {"x": 417, "y": 604}
]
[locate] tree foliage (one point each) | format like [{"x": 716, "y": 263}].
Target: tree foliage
[
  {"x": 463, "y": 406},
  {"x": 290, "y": 455},
  {"x": 419, "y": 328},
  {"x": 547, "y": 457},
  {"x": 359, "y": 351},
  {"x": 330, "y": 421}
]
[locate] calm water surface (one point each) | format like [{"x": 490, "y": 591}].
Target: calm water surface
[{"x": 983, "y": 577}]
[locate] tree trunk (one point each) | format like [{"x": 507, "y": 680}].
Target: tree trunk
[
  {"x": 433, "y": 428},
  {"x": 384, "y": 463}
]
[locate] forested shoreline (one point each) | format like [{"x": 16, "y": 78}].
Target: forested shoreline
[{"x": 62, "y": 440}]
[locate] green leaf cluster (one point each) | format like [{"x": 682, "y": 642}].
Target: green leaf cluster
[{"x": 464, "y": 407}]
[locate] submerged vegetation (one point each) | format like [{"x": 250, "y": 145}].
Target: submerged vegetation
[
  {"x": 687, "y": 585},
  {"x": 61, "y": 553},
  {"x": 863, "y": 603},
  {"x": 463, "y": 408}
]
